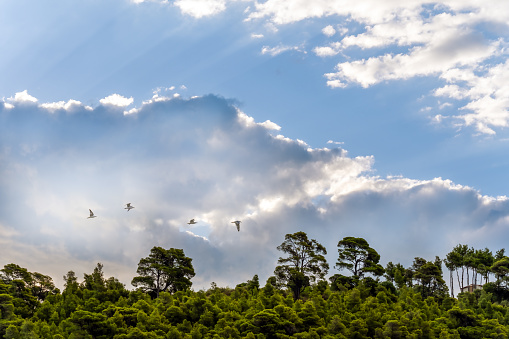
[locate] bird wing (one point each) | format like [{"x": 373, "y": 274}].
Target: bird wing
[{"x": 91, "y": 213}]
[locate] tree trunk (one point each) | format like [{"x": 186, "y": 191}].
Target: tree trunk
[
  {"x": 452, "y": 283},
  {"x": 468, "y": 278},
  {"x": 462, "y": 275}
]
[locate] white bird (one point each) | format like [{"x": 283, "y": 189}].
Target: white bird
[
  {"x": 129, "y": 207},
  {"x": 91, "y": 214},
  {"x": 237, "y": 223},
  {"x": 192, "y": 222}
]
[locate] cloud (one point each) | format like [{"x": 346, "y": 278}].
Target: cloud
[
  {"x": 444, "y": 53},
  {"x": 380, "y": 41},
  {"x": 201, "y": 8},
  {"x": 326, "y": 51},
  {"x": 431, "y": 40},
  {"x": 328, "y": 31},
  {"x": 116, "y": 100},
  {"x": 202, "y": 158},
  {"x": 62, "y": 105},
  {"x": 22, "y": 97},
  {"x": 273, "y": 51},
  {"x": 487, "y": 95},
  {"x": 250, "y": 122},
  {"x": 195, "y": 8}
]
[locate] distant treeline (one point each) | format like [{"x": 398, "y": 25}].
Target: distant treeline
[{"x": 297, "y": 302}]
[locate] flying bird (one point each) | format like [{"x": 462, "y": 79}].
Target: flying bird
[
  {"x": 192, "y": 222},
  {"x": 129, "y": 207},
  {"x": 91, "y": 214},
  {"x": 237, "y": 223}
]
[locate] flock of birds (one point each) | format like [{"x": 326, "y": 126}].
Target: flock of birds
[{"x": 191, "y": 222}]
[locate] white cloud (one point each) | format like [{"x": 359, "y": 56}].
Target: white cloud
[
  {"x": 451, "y": 91},
  {"x": 327, "y": 50},
  {"x": 22, "y": 97},
  {"x": 328, "y": 31},
  {"x": 443, "y": 53},
  {"x": 445, "y": 105},
  {"x": 284, "y": 12},
  {"x": 250, "y": 122},
  {"x": 270, "y": 125},
  {"x": 116, "y": 100},
  {"x": 273, "y": 51},
  {"x": 457, "y": 41},
  {"x": 62, "y": 105},
  {"x": 132, "y": 111},
  {"x": 336, "y": 84},
  {"x": 441, "y": 41},
  {"x": 487, "y": 94},
  {"x": 201, "y": 8}
]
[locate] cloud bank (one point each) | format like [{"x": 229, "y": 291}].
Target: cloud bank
[{"x": 202, "y": 158}]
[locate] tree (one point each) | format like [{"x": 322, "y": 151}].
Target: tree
[
  {"x": 42, "y": 286},
  {"x": 457, "y": 259},
  {"x": 358, "y": 257},
  {"x": 19, "y": 280},
  {"x": 254, "y": 284},
  {"x": 429, "y": 276},
  {"x": 397, "y": 273},
  {"x": 164, "y": 270},
  {"x": 501, "y": 270},
  {"x": 95, "y": 281},
  {"x": 305, "y": 262},
  {"x": 485, "y": 259},
  {"x": 451, "y": 261},
  {"x": 12, "y": 272}
]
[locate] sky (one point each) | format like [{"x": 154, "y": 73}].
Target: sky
[{"x": 382, "y": 120}]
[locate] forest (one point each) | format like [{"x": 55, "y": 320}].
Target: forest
[{"x": 363, "y": 300}]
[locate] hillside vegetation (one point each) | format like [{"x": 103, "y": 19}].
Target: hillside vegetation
[{"x": 297, "y": 302}]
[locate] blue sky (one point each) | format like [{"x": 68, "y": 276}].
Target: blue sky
[{"x": 346, "y": 118}]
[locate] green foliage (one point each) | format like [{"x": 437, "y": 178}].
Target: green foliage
[
  {"x": 411, "y": 303},
  {"x": 304, "y": 264},
  {"x": 358, "y": 257},
  {"x": 429, "y": 276},
  {"x": 164, "y": 270}
]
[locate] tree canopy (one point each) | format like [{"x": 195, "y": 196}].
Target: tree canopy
[
  {"x": 164, "y": 270},
  {"x": 305, "y": 262},
  {"x": 358, "y": 257},
  {"x": 411, "y": 303}
]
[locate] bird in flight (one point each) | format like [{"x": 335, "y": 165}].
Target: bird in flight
[
  {"x": 191, "y": 222},
  {"x": 91, "y": 214},
  {"x": 129, "y": 207},
  {"x": 237, "y": 223}
]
